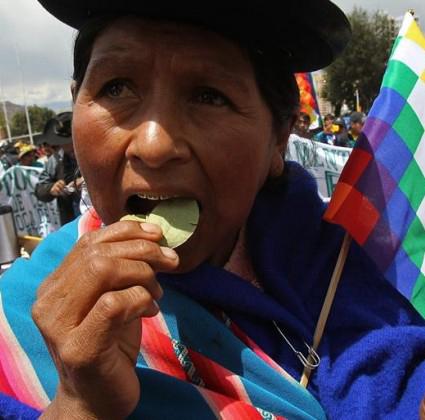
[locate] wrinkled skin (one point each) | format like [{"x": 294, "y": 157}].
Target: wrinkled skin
[{"x": 163, "y": 109}]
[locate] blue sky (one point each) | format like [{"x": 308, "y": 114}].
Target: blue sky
[{"x": 44, "y": 46}]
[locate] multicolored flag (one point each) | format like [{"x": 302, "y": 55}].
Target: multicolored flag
[
  {"x": 380, "y": 197},
  {"x": 308, "y": 97}
]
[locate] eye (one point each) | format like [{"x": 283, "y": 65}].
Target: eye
[
  {"x": 117, "y": 89},
  {"x": 210, "y": 96}
]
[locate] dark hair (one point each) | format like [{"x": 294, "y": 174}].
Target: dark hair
[
  {"x": 274, "y": 77},
  {"x": 304, "y": 116}
]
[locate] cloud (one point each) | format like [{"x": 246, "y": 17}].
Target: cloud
[
  {"x": 44, "y": 46},
  {"x": 395, "y": 8}
]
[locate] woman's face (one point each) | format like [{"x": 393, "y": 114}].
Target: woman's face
[{"x": 170, "y": 110}]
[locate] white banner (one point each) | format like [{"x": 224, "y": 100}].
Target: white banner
[
  {"x": 324, "y": 162},
  {"x": 32, "y": 217}
]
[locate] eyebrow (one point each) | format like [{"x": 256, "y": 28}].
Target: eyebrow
[{"x": 201, "y": 66}]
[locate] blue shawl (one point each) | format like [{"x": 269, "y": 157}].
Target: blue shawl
[{"x": 373, "y": 351}]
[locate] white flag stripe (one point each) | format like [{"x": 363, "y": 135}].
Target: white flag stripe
[
  {"x": 421, "y": 212},
  {"x": 420, "y": 155},
  {"x": 407, "y": 21},
  {"x": 416, "y": 100},
  {"x": 411, "y": 54}
]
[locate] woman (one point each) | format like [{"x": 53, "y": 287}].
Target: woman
[{"x": 178, "y": 102}]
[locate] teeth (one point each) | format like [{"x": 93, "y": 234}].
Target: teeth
[{"x": 155, "y": 197}]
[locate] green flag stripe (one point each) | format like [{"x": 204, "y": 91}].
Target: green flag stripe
[
  {"x": 413, "y": 185},
  {"x": 400, "y": 78},
  {"x": 414, "y": 243},
  {"x": 409, "y": 128},
  {"x": 418, "y": 295}
]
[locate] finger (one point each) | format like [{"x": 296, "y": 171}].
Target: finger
[
  {"x": 159, "y": 258},
  {"x": 75, "y": 292},
  {"x": 124, "y": 306},
  {"x": 125, "y": 230},
  {"x": 114, "y": 313},
  {"x": 91, "y": 245}
]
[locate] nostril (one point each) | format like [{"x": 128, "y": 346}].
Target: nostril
[{"x": 152, "y": 144}]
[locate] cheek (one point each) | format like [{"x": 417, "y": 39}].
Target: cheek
[
  {"x": 237, "y": 170},
  {"x": 92, "y": 133}
]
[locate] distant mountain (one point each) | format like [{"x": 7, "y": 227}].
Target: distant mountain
[
  {"x": 58, "y": 106},
  {"x": 12, "y": 109}
]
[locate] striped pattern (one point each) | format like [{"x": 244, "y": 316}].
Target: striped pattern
[
  {"x": 223, "y": 391},
  {"x": 17, "y": 376},
  {"x": 380, "y": 198},
  {"x": 188, "y": 357}
]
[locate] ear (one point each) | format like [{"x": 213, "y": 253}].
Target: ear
[
  {"x": 278, "y": 153},
  {"x": 74, "y": 91},
  {"x": 284, "y": 132}
]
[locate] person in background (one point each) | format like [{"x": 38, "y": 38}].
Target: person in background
[
  {"x": 28, "y": 157},
  {"x": 8, "y": 156},
  {"x": 348, "y": 139},
  {"x": 327, "y": 136},
  {"x": 59, "y": 179},
  {"x": 339, "y": 127},
  {"x": 302, "y": 126},
  {"x": 46, "y": 150}
]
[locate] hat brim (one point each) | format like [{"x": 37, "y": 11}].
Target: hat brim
[
  {"x": 57, "y": 131},
  {"x": 52, "y": 139},
  {"x": 25, "y": 152},
  {"x": 312, "y": 32}
]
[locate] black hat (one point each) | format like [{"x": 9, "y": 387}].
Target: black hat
[
  {"x": 57, "y": 130},
  {"x": 311, "y": 32}
]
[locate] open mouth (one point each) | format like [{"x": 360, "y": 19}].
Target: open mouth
[{"x": 143, "y": 204}]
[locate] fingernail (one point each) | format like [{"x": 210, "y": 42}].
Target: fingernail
[
  {"x": 169, "y": 253},
  {"x": 150, "y": 227}
]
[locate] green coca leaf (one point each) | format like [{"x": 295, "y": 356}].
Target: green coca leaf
[{"x": 178, "y": 218}]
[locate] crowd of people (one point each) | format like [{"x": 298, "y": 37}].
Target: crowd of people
[
  {"x": 53, "y": 151},
  {"x": 342, "y": 131}
]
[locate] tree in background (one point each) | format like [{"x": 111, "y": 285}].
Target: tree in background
[
  {"x": 3, "y": 132},
  {"x": 38, "y": 117},
  {"x": 363, "y": 63}
]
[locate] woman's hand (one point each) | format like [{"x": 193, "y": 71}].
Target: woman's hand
[{"x": 88, "y": 312}]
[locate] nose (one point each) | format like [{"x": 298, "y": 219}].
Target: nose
[{"x": 152, "y": 144}]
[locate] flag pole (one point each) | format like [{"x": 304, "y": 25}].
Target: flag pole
[
  {"x": 24, "y": 93},
  {"x": 6, "y": 118},
  {"x": 327, "y": 304}
]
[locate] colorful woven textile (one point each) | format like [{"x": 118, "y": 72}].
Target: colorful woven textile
[
  {"x": 373, "y": 350},
  {"x": 191, "y": 363},
  {"x": 380, "y": 198}
]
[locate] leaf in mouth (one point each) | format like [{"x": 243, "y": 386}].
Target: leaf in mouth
[{"x": 177, "y": 217}]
